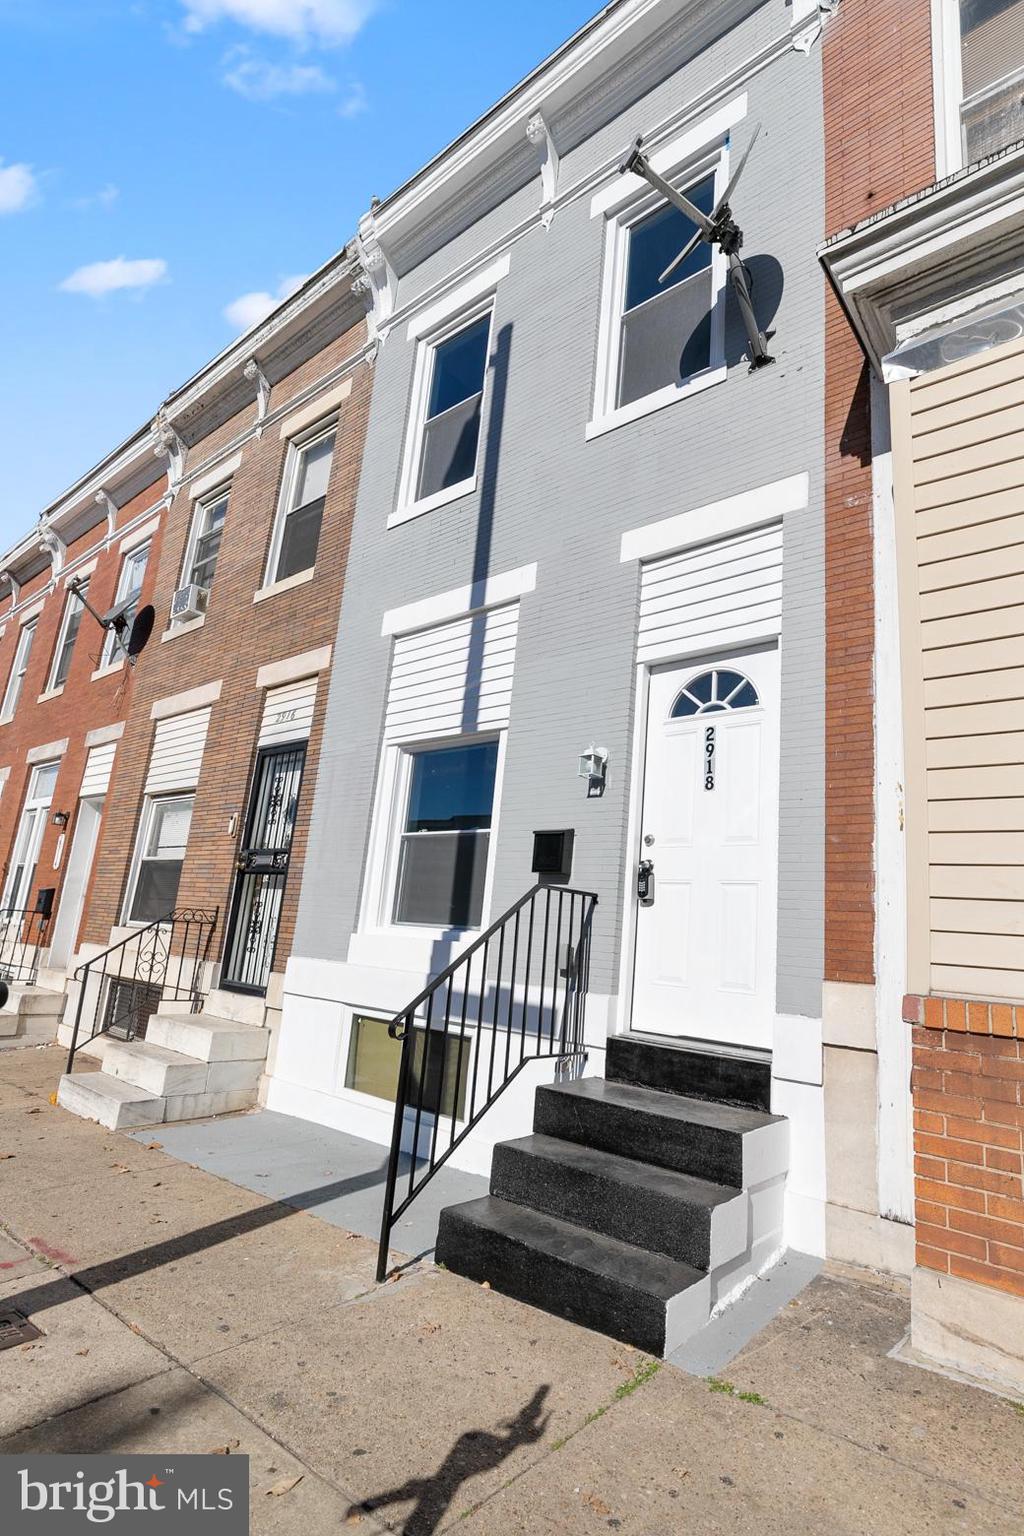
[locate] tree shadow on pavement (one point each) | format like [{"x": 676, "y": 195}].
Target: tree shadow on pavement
[{"x": 475, "y": 1452}]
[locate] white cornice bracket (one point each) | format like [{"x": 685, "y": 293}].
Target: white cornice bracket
[
  {"x": 168, "y": 445},
  {"x": 14, "y": 584},
  {"x": 254, "y": 373},
  {"x": 106, "y": 501},
  {"x": 55, "y": 547},
  {"x": 376, "y": 277},
  {"x": 539, "y": 134},
  {"x": 814, "y": 14}
]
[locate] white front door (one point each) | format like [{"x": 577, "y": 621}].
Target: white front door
[
  {"x": 705, "y": 939},
  {"x": 76, "y": 878}
]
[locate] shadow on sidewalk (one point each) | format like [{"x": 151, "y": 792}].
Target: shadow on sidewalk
[
  {"x": 473, "y": 1453},
  {"x": 143, "y": 1260}
]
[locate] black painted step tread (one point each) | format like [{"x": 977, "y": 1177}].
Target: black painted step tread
[
  {"x": 673, "y": 1106},
  {"x": 637, "y": 1269},
  {"x": 625, "y": 1170},
  {"x": 670, "y": 1066}
]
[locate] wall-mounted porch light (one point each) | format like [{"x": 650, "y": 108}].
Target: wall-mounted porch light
[
  {"x": 60, "y": 819},
  {"x": 594, "y": 768}
]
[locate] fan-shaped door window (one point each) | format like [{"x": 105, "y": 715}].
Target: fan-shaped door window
[{"x": 712, "y": 692}]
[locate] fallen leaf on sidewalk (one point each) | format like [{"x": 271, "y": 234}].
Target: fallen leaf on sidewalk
[
  {"x": 353, "y": 1519},
  {"x": 81, "y": 1351},
  {"x": 120, "y": 1167},
  {"x": 37, "y": 1111},
  {"x": 284, "y": 1486},
  {"x": 5, "y": 1157},
  {"x": 223, "y": 1450},
  {"x": 485, "y": 1285},
  {"x": 154, "y": 1146},
  {"x": 597, "y": 1505}
]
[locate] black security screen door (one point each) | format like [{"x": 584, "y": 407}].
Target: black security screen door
[{"x": 263, "y": 868}]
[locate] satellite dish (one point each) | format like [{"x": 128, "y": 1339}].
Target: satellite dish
[
  {"x": 140, "y": 633},
  {"x": 719, "y": 228}
]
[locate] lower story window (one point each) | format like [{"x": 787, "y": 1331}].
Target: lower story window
[
  {"x": 374, "y": 1060},
  {"x": 442, "y": 865},
  {"x": 162, "y": 841}
]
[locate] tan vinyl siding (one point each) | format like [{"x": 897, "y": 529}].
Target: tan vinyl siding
[{"x": 966, "y": 455}]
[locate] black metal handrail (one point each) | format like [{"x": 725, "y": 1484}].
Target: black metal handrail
[
  {"x": 23, "y": 933},
  {"x": 167, "y": 955},
  {"x": 526, "y": 979}
]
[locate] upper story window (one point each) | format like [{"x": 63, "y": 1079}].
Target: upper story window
[
  {"x": 660, "y": 331},
  {"x": 451, "y": 424},
  {"x": 19, "y": 667},
  {"x": 129, "y": 589},
  {"x": 301, "y": 514},
  {"x": 204, "y": 541},
  {"x": 70, "y": 624},
  {"x": 981, "y": 48},
  {"x": 665, "y": 327},
  {"x": 443, "y": 442}
]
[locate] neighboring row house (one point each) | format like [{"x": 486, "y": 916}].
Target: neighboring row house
[{"x": 565, "y": 749}]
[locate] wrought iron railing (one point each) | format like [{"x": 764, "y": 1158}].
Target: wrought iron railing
[
  {"x": 517, "y": 994},
  {"x": 23, "y": 933},
  {"x": 125, "y": 985}
]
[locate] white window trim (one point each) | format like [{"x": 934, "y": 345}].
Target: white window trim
[
  {"x": 379, "y": 938},
  {"x": 296, "y": 447},
  {"x": 200, "y": 508},
  {"x": 8, "y": 705},
  {"x": 33, "y": 804},
  {"x": 423, "y": 369},
  {"x": 948, "y": 87},
  {"x": 53, "y": 689},
  {"x": 286, "y": 584},
  {"x": 606, "y": 415},
  {"x": 141, "y": 839},
  {"x": 117, "y": 657}
]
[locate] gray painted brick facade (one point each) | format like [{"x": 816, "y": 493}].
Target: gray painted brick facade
[{"x": 549, "y": 496}]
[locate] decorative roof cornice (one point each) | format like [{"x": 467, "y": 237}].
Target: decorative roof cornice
[{"x": 946, "y": 244}]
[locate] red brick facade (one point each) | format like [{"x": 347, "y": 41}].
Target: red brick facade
[
  {"x": 86, "y": 703},
  {"x": 968, "y": 1126},
  {"x": 236, "y": 639},
  {"x": 879, "y": 146}
]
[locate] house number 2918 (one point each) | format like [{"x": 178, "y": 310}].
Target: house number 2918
[{"x": 709, "y": 757}]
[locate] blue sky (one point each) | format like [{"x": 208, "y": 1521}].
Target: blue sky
[{"x": 165, "y": 165}]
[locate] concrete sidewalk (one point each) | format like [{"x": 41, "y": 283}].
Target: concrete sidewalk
[{"x": 184, "y": 1313}]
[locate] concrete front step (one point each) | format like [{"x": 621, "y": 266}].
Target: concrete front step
[
  {"x": 669, "y": 1068},
  {"x": 173, "y": 1075},
  {"x": 41, "y": 1005},
  {"x": 718, "y": 1142},
  {"x": 115, "y": 1104},
  {"x": 687, "y": 1219},
  {"x": 642, "y": 1298},
  {"x": 207, "y": 1037}
]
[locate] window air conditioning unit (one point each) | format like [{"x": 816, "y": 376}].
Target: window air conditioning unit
[{"x": 188, "y": 603}]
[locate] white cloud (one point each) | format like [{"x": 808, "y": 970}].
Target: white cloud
[
  {"x": 355, "y": 102},
  {"x": 250, "y": 308},
  {"x": 329, "y": 22},
  {"x": 102, "y": 277},
  {"x": 18, "y": 187},
  {"x": 259, "y": 80},
  {"x": 106, "y": 197}
]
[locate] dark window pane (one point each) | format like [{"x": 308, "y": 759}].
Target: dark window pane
[
  {"x": 657, "y": 240},
  {"x": 374, "y": 1060},
  {"x": 441, "y": 879},
  {"x": 684, "y": 706},
  {"x": 459, "y": 366},
  {"x": 452, "y": 789},
  {"x": 60, "y": 676},
  {"x": 701, "y": 687},
  {"x": 449, "y": 447},
  {"x": 667, "y": 340},
  {"x": 156, "y": 890},
  {"x": 300, "y": 540}
]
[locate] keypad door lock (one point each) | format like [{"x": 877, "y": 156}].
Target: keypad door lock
[{"x": 645, "y": 883}]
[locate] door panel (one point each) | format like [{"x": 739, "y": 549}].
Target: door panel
[{"x": 705, "y": 943}]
